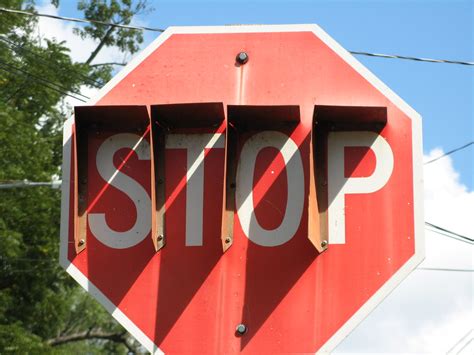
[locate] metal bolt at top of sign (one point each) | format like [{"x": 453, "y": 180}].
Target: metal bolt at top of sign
[{"x": 242, "y": 58}]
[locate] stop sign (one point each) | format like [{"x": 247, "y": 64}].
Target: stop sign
[{"x": 248, "y": 188}]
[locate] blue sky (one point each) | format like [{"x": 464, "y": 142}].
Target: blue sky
[{"x": 442, "y": 93}]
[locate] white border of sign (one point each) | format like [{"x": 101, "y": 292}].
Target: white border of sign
[{"x": 378, "y": 297}]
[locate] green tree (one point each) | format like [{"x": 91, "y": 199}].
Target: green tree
[{"x": 42, "y": 310}]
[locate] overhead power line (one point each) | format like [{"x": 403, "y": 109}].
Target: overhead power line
[
  {"x": 130, "y": 27},
  {"x": 448, "y": 233},
  {"x": 41, "y": 79},
  {"x": 21, "y": 259},
  {"x": 450, "y": 152},
  {"x": 19, "y": 49},
  {"x": 32, "y": 269},
  {"x": 462, "y": 343},
  {"x": 57, "y": 184},
  {"x": 26, "y": 183},
  {"x": 49, "y": 84},
  {"x": 15, "y": 261},
  {"x": 450, "y": 236},
  {"x": 417, "y": 59},
  {"x": 142, "y": 28},
  {"x": 444, "y": 269}
]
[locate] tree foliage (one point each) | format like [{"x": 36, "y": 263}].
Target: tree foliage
[
  {"x": 119, "y": 12},
  {"x": 42, "y": 310}
]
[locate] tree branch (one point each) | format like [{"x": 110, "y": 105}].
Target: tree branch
[
  {"x": 109, "y": 63},
  {"x": 101, "y": 44},
  {"x": 88, "y": 335}
]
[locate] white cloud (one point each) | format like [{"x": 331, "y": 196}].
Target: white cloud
[
  {"x": 433, "y": 336},
  {"x": 444, "y": 195},
  {"x": 431, "y": 310}
]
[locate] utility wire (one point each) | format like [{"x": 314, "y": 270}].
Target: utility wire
[
  {"x": 49, "y": 84},
  {"x": 41, "y": 79},
  {"x": 450, "y": 152},
  {"x": 142, "y": 28},
  {"x": 20, "y": 49},
  {"x": 465, "y": 346},
  {"x": 37, "y": 263},
  {"x": 26, "y": 183},
  {"x": 33, "y": 269},
  {"x": 450, "y": 236},
  {"x": 20, "y": 259},
  {"x": 130, "y": 27},
  {"x": 465, "y": 337},
  {"x": 444, "y": 230},
  {"x": 56, "y": 184},
  {"x": 429, "y": 60},
  {"x": 444, "y": 269},
  {"x": 47, "y": 260}
]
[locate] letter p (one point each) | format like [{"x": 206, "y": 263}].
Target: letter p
[{"x": 339, "y": 185}]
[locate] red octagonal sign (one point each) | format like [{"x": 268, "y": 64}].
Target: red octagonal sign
[{"x": 249, "y": 188}]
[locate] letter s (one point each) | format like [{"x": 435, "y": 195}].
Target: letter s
[{"x": 130, "y": 187}]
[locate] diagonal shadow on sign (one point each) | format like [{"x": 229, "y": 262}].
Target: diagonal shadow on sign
[
  {"x": 357, "y": 161},
  {"x": 105, "y": 262},
  {"x": 271, "y": 272},
  {"x": 183, "y": 269}
]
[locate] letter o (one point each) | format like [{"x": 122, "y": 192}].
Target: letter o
[{"x": 295, "y": 191}]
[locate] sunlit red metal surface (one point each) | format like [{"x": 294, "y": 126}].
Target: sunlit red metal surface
[{"x": 290, "y": 297}]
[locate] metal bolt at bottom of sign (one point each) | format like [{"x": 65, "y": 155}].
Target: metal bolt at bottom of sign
[
  {"x": 241, "y": 329},
  {"x": 81, "y": 242}
]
